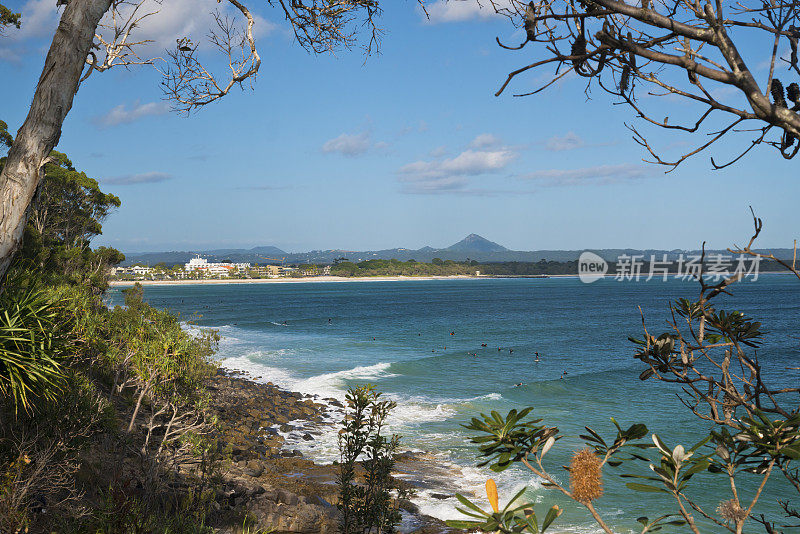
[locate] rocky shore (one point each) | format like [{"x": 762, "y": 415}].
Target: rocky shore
[{"x": 280, "y": 488}]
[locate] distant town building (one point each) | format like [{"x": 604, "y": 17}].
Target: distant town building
[
  {"x": 135, "y": 270},
  {"x": 212, "y": 268},
  {"x": 270, "y": 271}
]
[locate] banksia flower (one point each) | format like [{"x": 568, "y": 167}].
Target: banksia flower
[
  {"x": 731, "y": 511},
  {"x": 530, "y": 21},
  {"x": 578, "y": 49},
  {"x": 793, "y": 92},
  {"x": 585, "y": 476},
  {"x": 776, "y": 89}
]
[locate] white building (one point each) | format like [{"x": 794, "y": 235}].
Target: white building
[
  {"x": 215, "y": 269},
  {"x": 141, "y": 271}
]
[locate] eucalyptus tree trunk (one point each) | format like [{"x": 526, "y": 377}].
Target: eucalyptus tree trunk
[{"x": 42, "y": 128}]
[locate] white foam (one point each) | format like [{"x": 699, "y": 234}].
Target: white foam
[
  {"x": 412, "y": 411},
  {"x": 490, "y": 396},
  {"x": 333, "y": 384},
  {"x": 447, "y": 478}
]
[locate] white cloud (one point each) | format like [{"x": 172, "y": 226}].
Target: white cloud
[
  {"x": 484, "y": 141},
  {"x": 348, "y": 144},
  {"x": 451, "y": 174},
  {"x": 122, "y": 115},
  {"x": 459, "y": 11},
  {"x": 600, "y": 175},
  {"x": 144, "y": 178},
  {"x": 570, "y": 141}
]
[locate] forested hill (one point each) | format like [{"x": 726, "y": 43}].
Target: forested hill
[{"x": 472, "y": 247}]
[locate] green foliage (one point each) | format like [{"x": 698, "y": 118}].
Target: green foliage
[
  {"x": 521, "y": 518},
  {"x": 153, "y": 348},
  {"x": 5, "y": 137},
  {"x": 509, "y": 439},
  {"x": 31, "y": 345},
  {"x": 66, "y": 213},
  {"x": 123, "y": 513},
  {"x": 38, "y": 451},
  {"x": 77, "y": 369},
  {"x": 9, "y": 18},
  {"x": 395, "y": 267},
  {"x": 366, "y": 502}
]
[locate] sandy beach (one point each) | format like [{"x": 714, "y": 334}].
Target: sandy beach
[{"x": 288, "y": 280}]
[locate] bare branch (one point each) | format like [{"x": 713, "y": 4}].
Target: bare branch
[{"x": 619, "y": 44}]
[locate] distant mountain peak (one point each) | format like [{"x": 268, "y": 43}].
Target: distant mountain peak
[{"x": 476, "y": 243}]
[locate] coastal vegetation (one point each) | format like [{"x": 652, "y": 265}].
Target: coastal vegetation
[
  {"x": 403, "y": 268},
  {"x": 102, "y": 410},
  {"x": 751, "y": 438},
  {"x": 368, "y": 495},
  {"x": 115, "y": 420}
]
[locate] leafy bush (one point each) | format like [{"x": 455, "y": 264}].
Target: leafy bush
[
  {"x": 40, "y": 452},
  {"x": 31, "y": 345},
  {"x": 366, "y": 503}
]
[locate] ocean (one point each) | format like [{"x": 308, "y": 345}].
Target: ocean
[{"x": 421, "y": 344}]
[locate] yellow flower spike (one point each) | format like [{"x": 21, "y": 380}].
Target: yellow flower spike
[{"x": 491, "y": 493}]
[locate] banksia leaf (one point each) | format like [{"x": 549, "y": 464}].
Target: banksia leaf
[
  {"x": 793, "y": 92},
  {"x": 491, "y": 494},
  {"x": 585, "y": 476},
  {"x": 776, "y": 88}
]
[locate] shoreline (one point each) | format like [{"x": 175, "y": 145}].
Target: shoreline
[
  {"x": 329, "y": 279},
  {"x": 281, "y": 485},
  {"x": 335, "y": 279}
]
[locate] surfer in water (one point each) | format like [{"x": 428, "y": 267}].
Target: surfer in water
[
  {"x": 537, "y": 356},
  {"x": 518, "y": 385},
  {"x": 329, "y": 321}
]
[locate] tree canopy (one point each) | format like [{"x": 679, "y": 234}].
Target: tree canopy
[
  {"x": 9, "y": 18},
  {"x": 66, "y": 213}
]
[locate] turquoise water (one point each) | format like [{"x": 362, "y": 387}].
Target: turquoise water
[{"x": 414, "y": 340}]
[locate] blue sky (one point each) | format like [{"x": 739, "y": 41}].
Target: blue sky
[{"x": 407, "y": 148}]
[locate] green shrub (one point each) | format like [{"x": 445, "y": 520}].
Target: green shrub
[
  {"x": 31, "y": 346},
  {"x": 366, "y": 503}
]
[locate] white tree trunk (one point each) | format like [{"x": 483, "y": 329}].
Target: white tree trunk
[{"x": 42, "y": 127}]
